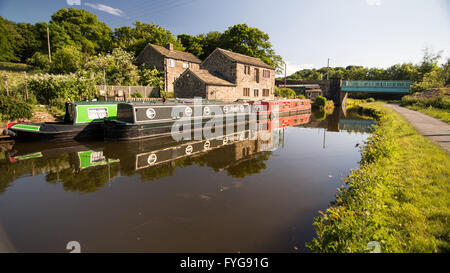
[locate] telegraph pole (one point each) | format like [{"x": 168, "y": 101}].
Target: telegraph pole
[
  {"x": 285, "y": 75},
  {"x": 328, "y": 69},
  {"x": 48, "y": 45}
]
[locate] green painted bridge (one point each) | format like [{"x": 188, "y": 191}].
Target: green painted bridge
[{"x": 397, "y": 87}]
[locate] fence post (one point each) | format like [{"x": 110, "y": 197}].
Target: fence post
[
  {"x": 6, "y": 84},
  {"x": 26, "y": 85}
]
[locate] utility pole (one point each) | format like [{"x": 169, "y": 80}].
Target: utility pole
[
  {"x": 284, "y": 75},
  {"x": 48, "y": 45},
  {"x": 328, "y": 69}
]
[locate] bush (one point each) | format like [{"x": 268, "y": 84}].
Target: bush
[
  {"x": 370, "y": 100},
  {"x": 320, "y": 102},
  {"x": 72, "y": 87},
  {"x": 12, "y": 108},
  {"x": 66, "y": 60},
  {"x": 441, "y": 102},
  {"x": 40, "y": 61},
  {"x": 137, "y": 94},
  {"x": 285, "y": 92},
  {"x": 300, "y": 97}
]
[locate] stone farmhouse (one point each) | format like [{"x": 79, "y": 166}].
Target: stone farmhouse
[
  {"x": 227, "y": 76},
  {"x": 172, "y": 62}
]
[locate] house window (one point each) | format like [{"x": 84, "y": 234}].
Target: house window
[
  {"x": 246, "y": 69},
  {"x": 171, "y": 62},
  {"x": 265, "y": 92},
  {"x": 175, "y": 78},
  {"x": 257, "y": 75},
  {"x": 266, "y": 73},
  {"x": 255, "y": 92},
  {"x": 185, "y": 65},
  {"x": 246, "y": 92}
]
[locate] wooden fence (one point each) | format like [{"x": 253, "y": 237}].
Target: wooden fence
[{"x": 114, "y": 91}]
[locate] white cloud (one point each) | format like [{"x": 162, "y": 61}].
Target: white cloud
[
  {"x": 73, "y": 2},
  {"x": 373, "y": 2},
  {"x": 106, "y": 9}
]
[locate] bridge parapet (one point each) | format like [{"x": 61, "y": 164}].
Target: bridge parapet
[{"x": 401, "y": 87}]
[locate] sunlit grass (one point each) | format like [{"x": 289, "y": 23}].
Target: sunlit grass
[
  {"x": 398, "y": 197},
  {"x": 442, "y": 114}
]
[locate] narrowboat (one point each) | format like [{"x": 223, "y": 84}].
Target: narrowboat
[
  {"x": 83, "y": 120},
  {"x": 144, "y": 120},
  {"x": 281, "y": 108}
]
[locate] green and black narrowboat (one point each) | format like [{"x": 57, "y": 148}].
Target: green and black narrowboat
[
  {"x": 144, "y": 120},
  {"x": 83, "y": 120}
]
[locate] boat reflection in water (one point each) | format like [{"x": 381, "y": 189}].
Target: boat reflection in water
[
  {"x": 252, "y": 190},
  {"x": 86, "y": 167}
]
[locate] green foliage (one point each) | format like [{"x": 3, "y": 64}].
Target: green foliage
[
  {"x": 442, "y": 102},
  {"x": 137, "y": 95},
  {"x": 135, "y": 39},
  {"x": 39, "y": 61},
  {"x": 319, "y": 102},
  {"x": 72, "y": 87},
  {"x": 285, "y": 92},
  {"x": 300, "y": 96},
  {"x": 151, "y": 77},
  {"x": 370, "y": 100},
  {"x": 66, "y": 60},
  {"x": 79, "y": 28},
  {"x": 397, "y": 197},
  {"x": 8, "y": 36},
  {"x": 239, "y": 38},
  {"x": 13, "y": 108},
  {"x": 119, "y": 68}
]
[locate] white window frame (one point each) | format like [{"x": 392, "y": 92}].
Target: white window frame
[{"x": 171, "y": 63}]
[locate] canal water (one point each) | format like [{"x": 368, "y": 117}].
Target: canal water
[{"x": 239, "y": 195}]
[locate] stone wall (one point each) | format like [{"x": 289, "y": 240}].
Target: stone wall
[
  {"x": 221, "y": 66},
  {"x": 189, "y": 86},
  {"x": 249, "y": 81},
  {"x": 222, "y": 93},
  {"x": 151, "y": 57},
  {"x": 172, "y": 73},
  {"x": 331, "y": 88}
]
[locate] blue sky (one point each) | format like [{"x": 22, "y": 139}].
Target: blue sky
[{"x": 374, "y": 33}]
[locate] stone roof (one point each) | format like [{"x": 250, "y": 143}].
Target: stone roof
[
  {"x": 241, "y": 58},
  {"x": 209, "y": 78},
  {"x": 176, "y": 54}
]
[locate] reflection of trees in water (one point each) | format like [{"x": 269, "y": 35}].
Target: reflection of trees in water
[
  {"x": 64, "y": 168},
  {"x": 86, "y": 180},
  {"x": 12, "y": 171},
  {"x": 249, "y": 166}
]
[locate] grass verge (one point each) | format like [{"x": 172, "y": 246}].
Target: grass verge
[
  {"x": 399, "y": 197},
  {"x": 442, "y": 114}
]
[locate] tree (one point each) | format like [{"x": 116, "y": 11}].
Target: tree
[
  {"x": 135, "y": 39},
  {"x": 193, "y": 44},
  {"x": 119, "y": 68},
  {"x": 66, "y": 60},
  {"x": 80, "y": 28},
  {"x": 8, "y": 45},
  {"x": 252, "y": 42},
  {"x": 429, "y": 62}
]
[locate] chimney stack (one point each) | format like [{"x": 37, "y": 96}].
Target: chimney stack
[{"x": 169, "y": 46}]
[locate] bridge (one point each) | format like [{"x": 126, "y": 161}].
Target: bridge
[{"x": 387, "y": 87}]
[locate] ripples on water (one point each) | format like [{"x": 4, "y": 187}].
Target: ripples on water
[{"x": 159, "y": 196}]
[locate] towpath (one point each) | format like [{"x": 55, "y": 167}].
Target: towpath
[{"x": 434, "y": 129}]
